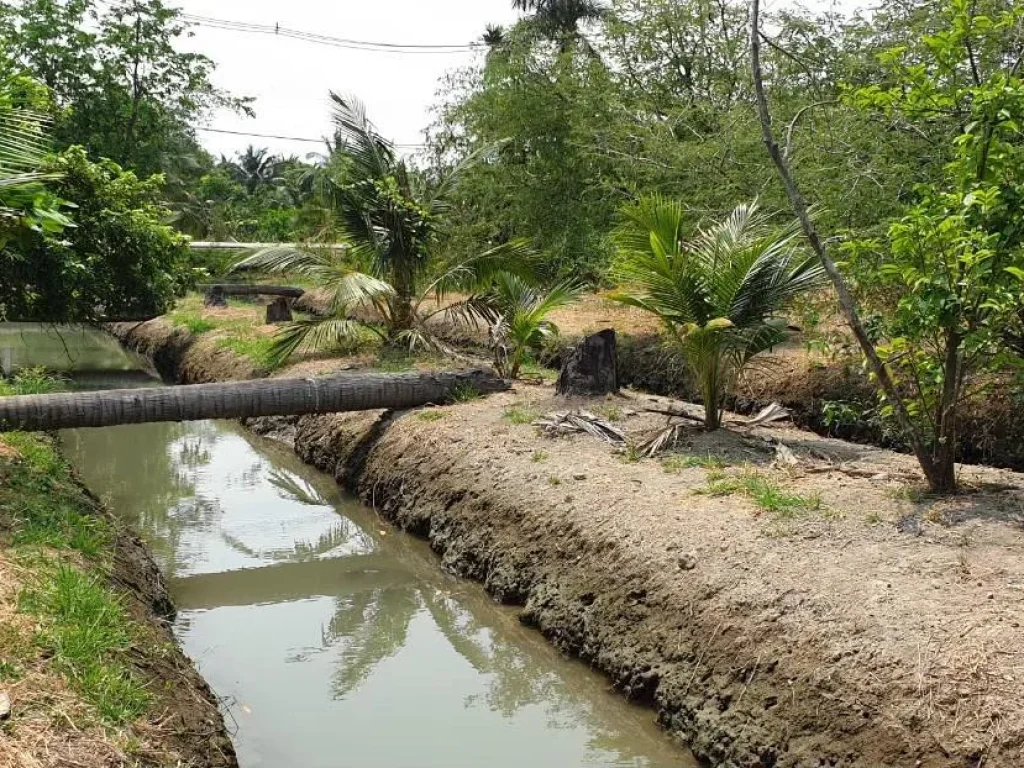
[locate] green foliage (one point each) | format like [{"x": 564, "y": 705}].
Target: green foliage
[
  {"x": 122, "y": 84},
  {"x": 120, "y": 260},
  {"x": 945, "y": 282},
  {"x": 391, "y": 221},
  {"x": 520, "y": 414},
  {"x": 654, "y": 96},
  {"x": 672, "y": 464},
  {"x": 766, "y": 494},
  {"x": 521, "y": 324},
  {"x": 717, "y": 295},
  {"x": 430, "y": 416},
  {"x": 194, "y": 322},
  {"x": 84, "y": 629}
]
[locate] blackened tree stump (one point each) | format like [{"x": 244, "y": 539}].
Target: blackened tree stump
[
  {"x": 215, "y": 297},
  {"x": 278, "y": 311},
  {"x": 591, "y": 368}
]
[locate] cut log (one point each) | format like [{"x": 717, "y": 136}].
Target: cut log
[
  {"x": 239, "y": 400},
  {"x": 591, "y": 368},
  {"x": 278, "y": 311},
  {"x": 249, "y": 289}
]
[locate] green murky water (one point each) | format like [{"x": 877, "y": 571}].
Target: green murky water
[{"x": 333, "y": 640}]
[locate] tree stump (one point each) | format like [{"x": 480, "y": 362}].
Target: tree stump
[
  {"x": 278, "y": 311},
  {"x": 591, "y": 368},
  {"x": 215, "y": 297}
]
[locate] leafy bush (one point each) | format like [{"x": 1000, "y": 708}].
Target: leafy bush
[{"x": 119, "y": 261}]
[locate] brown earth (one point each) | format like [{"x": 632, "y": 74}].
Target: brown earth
[
  {"x": 50, "y": 727},
  {"x": 810, "y": 610}
]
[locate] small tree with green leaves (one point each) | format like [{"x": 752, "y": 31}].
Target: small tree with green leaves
[
  {"x": 945, "y": 282},
  {"x": 392, "y": 221},
  {"x": 718, "y": 295}
]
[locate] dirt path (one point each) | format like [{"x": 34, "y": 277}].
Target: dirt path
[{"x": 795, "y": 607}]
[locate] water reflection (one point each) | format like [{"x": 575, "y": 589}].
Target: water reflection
[{"x": 334, "y": 642}]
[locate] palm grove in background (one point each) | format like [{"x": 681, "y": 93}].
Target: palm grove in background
[{"x": 902, "y": 127}]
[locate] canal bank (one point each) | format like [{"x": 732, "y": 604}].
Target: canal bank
[
  {"x": 795, "y": 615},
  {"x": 330, "y": 638},
  {"x": 90, "y": 673}
]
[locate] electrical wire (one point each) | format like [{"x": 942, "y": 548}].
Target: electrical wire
[
  {"x": 288, "y": 138},
  {"x": 337, "y": 42}
]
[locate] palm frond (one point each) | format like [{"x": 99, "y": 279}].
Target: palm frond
[
  {"x": 316, "y": 335},
  {"x": 477, "y": 273}
]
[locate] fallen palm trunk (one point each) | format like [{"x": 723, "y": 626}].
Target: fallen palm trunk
[
  {"x": 216, "y": 295},
  {"x": 237, "y": 400}
]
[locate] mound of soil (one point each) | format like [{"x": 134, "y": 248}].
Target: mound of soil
[{"x": 863, "y": 630}]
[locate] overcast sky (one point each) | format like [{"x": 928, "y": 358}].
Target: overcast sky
[{"x": 290, "y": 78}]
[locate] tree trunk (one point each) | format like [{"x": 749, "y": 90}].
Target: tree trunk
[
  {"x": 237, "y": 400},
  {"x": 233, "y": 289},
  {"x": 278, "y": 311},
  {"x": 944, "y": 452},
  {"x": 846, "y": 301},
  {"x": 591, "y": 368},
  {"x": 215, "y": 297},
  {"x": 283, "y": 582}
]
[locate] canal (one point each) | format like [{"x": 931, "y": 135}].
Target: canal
[{"x": 331, "y": 639}]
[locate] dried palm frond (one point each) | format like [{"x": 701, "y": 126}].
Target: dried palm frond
[
  {"x": 668, "y": 437},
  {"x": 577, "y": 422}
]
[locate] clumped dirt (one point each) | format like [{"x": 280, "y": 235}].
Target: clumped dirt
[{"x": 868, "y": 630}]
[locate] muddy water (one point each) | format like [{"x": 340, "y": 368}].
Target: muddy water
[{"x": 333, "y": 640}]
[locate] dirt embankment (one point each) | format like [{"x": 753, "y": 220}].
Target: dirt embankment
[
  {"x": 817, "y": 613},
  {"x": 59, "y": 710}
]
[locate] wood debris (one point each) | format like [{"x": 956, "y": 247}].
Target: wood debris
[{"x": 576, "y": 422}]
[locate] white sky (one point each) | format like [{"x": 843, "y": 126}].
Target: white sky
[{"x": 290, "y": 78}]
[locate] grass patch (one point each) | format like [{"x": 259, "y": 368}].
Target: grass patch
[
  {"x": 631, "y": 454},
  {"x": 610, "y": 413},
  {"x": 766, "y": 494},
  {"x": 31, "y": 381},
  {"x": 430, "y": 416},
  {"x": 465, "y": 393},
  {"x": 672, "y": 464},
  {"x": 539, "y": 456},
  {"x": 520, "y": 414},
  {"x": 259, "y": 350},
  {"x": 196, "y": 324},
  {"x": 554, "y": 481},
  {"x": 83, "y": 629}
]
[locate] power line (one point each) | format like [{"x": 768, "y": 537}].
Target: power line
[
  {"x": 288, "y": 138},
  {"x": 337, "y": 42}
]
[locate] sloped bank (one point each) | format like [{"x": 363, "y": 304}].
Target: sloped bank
[
  {"x": 71, "y": 578},
  {"x": 832, "y": 640}
]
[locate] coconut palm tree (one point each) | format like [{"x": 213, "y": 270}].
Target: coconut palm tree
[
  {"x": 391, "y": 221},
  {"x": 521, "y": 310},
  {"x": 494, "y": 35},
  {"x": 718, "y": 295},
  {"x": 254, "y": 168},
  {"x": 560, "y": 20},
  {"x": 24, "y": 144}
]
